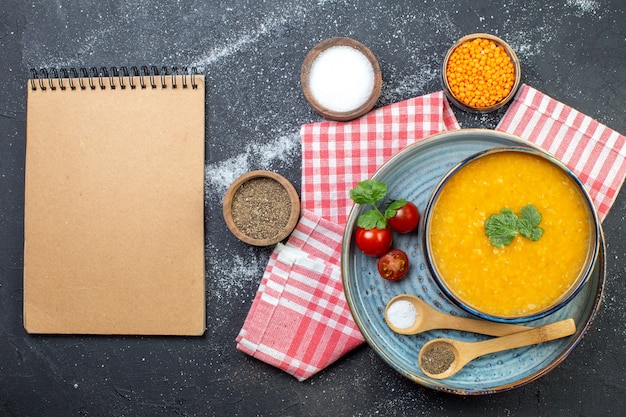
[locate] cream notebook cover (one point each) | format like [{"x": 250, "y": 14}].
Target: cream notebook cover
[{"x": 114, "y": 203}]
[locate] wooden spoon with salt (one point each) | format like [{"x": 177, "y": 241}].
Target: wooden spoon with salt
[
  {"x": 442, "y": 358},
  {"x": 428, "y": 318}
]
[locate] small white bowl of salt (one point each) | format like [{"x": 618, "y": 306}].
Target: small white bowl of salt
[{"x": 341, "y": 79}]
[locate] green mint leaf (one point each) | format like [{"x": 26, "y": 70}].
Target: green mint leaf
[
  {"x": 530, "y": 218},
  {"x": 502, "y": 228},
  {"x": 372, "y": 219},
  {"x": 531, "y": 214},
  {"x": 525, "y": 227},
  {"x": 368, "y": 192},
  {"x": 536, "y": 234},
  {"x": 393, "y": 207}
]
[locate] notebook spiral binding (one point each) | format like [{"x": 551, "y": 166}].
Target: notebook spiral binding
[{"x": 104, "y": 77}]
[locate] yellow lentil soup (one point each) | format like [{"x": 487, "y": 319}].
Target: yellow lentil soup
[{"x": 526, "y": 277}]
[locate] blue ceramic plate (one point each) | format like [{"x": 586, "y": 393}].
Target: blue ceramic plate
[{"x": 412, "y": 174}]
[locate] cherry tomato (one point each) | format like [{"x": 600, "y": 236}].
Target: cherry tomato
[
  {"x": 406, "y": 219},
  {"x": 393, "y": 265},
  {"x": 373, "y": 242}
]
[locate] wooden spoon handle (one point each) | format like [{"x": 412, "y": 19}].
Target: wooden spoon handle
[
  {"x": 479, "y": 326},
  {"x": 541, "y": 334}
]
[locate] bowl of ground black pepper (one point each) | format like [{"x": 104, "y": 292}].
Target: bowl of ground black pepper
[{"x": 261, "y": 208}]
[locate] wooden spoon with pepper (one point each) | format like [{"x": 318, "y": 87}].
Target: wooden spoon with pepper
[{"x": 442, "y": 358}]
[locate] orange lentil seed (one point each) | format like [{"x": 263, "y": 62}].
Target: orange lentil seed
[{"x": 480, "y": 73}]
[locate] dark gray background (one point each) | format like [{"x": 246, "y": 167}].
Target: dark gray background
[{"x": 251, "y": 51}]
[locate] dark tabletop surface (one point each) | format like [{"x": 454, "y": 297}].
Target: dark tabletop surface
[{"x": 251, "y": 51}]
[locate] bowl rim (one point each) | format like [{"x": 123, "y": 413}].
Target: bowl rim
[
  {"x": 324, "y": 111},
  {"x": 294, "y": 214},
  {"x": 579, "y": 282},
  {"x": 516, "y": 64}
]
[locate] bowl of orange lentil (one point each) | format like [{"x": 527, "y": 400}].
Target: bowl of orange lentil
[{"x": 481, "y": 73}]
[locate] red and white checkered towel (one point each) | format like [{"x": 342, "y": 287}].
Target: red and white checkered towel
[
  {"x": 299, "y": 320},
  {"x": 595, "y": 153},
  {"x": 336, "y": 156}
]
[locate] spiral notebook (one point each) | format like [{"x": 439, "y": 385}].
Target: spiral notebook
[{"x": 114, "y": 202}]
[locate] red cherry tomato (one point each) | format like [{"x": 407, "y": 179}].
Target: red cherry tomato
[
  {"x": 373, "y": 242},
  {"x": 393, "y": 265},
  {"x": 406, "y": 219}
]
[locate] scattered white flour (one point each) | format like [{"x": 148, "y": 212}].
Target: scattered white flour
[
  {"x": 411, "y": 84},
  {"x": 341, "y": 78},
  {"x": 584, "y": 6},
  {"x": 270, "y": 23},
  {"x": 401, "y": 314},
  {"x": 229, "y": 49},
  {"x": 419, "y": 70},
  {"x": 231, "y": 276},
  {"x": 220, "y": 175}
]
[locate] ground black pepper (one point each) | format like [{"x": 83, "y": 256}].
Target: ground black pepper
[
  {"x": 437, "y": 359},
  {"x": 261, "y": 208}
]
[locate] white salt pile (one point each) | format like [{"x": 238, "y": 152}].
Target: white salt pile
[
  {"x": 401, "y": 314},
  {"x": 341, "y": 78}
]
